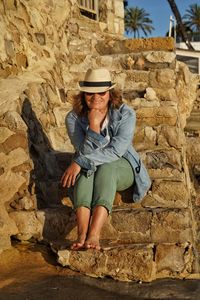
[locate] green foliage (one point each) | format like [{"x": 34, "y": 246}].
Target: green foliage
[
  {"x": 136, "y": 20},
  {"x": 192, "y": 17}
]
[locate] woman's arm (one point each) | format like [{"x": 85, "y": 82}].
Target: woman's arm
[
  {"x": 83, "y": 138},
  {"x": 89, "y": 157},
  {"x": 69, "y": 177}
]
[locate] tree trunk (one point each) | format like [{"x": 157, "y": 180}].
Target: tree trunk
[{"x": 177, "y": 15}]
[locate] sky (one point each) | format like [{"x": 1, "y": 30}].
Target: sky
[{"x": 159, "y": 12}]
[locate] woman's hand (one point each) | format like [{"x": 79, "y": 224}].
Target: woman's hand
[
  {"x": 69, "y": 177},
  {"x": 96, "y": 117}
]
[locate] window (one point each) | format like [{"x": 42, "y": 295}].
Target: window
[{"x": 89, "y": 8}]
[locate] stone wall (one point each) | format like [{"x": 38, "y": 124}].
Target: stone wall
[
  {"x": 111, "y": 16},
  {"x": 45, "y": 48}
]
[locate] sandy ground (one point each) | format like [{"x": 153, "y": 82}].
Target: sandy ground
[{"x": 30, "y": 272}]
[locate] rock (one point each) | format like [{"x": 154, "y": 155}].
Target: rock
[
  {"x": 160, "y": 57},
  {"x": 171, "y": 137},
  {"x": 5, "y": 133},
  {"x": 25, "y": 203},
  {"x": 14, "y": 158},
  {"x": 164, "y": 158},
  {"x": 28, "y": 225},
  {"x": 122, "y": 263},
  {"x": 171, "y": 226},
  {"x": 173, "y": 259},
  {"x": 18, "y": 140},
  {"x": 157, "y": 116},
  {"x": 150, "y": 94},
  {"x": 171, "y": 191},
  {"x": 162, "y": 78},
  {"x": 15, "y": 121},
  {"x": 8, "y": 190}
]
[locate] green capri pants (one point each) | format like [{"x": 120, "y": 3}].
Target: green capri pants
[{"x": 99, "y": 189}]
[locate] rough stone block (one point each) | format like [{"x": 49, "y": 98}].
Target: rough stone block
[
  {"x": 59, "y": 139},
  {"x": 131, "y": 263},
  {"x": 24, "y": 203},
  {"x": 21, "y": 60},
  {"x": 134, "y": 86},
  {"x": 164, "y": 158},
  {"x": 132, "y": 225},
  {"x": 171, "y": 136},
  {"x": 119, "y": 8},
  {"x": 171, "y": 226},
  {"x": 150, "y": 44},
  {"x": 166, "y": 174},
  {"x": 121, "y": 27},
  {"x": 121, "y": 263},
  {"x": 154, "y": 201},
  {"x": 172, "y": 192},
  {"x": 137, "y": 76},
  {"x": 28, "y": 225},
  {"x": 110, "y": 21},
  {"x": 5, "y": 133},
  {"x": 137, "y": 46},
  {"x": 5, "y": 242},
  {"x": 166, "y": 94},
  {"x": 41, "y": 38},
  {"x": 160, "y": 57},
  {"x": 145, "y": 138},
  {"x": 10, "y": 4},
  {"x": 10, "y": 50},
  {"x": 116, "y": 26},
  {"x": 162, "y": 78},
  {"x": 18, "y": 140},
  {"x": 173, "y": 260},
  {"x": 60, "y": 114},
  {"x": 15, "y": 121},
  {"x": 13, "y": 159},
  {"x": 154, "y": 116},
  {"x": 7, "y": 188}
]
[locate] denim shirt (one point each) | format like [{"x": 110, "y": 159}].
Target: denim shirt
[{"x": 92, "y": 149}]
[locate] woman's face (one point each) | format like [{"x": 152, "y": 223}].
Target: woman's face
[{"x": 97, "y": 100}]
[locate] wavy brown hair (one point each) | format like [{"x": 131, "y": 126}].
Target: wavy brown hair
[{"x": 80, "y": 106}]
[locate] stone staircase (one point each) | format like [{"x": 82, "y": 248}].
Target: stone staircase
[{"x": 152, "y": 239}]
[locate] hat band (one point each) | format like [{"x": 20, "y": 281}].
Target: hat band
[{"x": 96, "y": 84}]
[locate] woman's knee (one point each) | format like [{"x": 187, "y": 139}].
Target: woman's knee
[{"x": 106, "y": 169}]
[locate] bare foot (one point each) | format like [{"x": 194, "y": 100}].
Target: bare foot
[
  {"x": 79, "y": 243},
  {"x": 92, "y": 243}
]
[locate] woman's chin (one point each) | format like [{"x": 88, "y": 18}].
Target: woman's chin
[{"x": 95, "y": 106}]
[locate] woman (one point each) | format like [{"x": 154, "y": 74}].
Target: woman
[{"x": 101, "y": 130}]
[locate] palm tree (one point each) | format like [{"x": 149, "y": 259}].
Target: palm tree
[
  {"x": 177, "y": 15},
  {"x": 192, "y": 17},
  {"x": 136, "y": 20}
]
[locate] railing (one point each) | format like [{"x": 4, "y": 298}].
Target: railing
[{"x": 89, "y": 8}]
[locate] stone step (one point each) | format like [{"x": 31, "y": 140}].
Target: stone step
[
  {"x": 135, "y": 45},
  {"x": 167, "y": 191},
  {"x": 142, "y": 62},
  {"x": 164, "y": 165},
  {"x": 127, "y": 225},
  {"x": 132, "y": 262}
]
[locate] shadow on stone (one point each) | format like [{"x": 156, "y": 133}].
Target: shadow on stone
[
  {"x": 49, "y": 164},
  {"x": 48, "y": 167}
]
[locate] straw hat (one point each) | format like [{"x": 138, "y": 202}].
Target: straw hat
[{"x": 96, "y": 81}]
